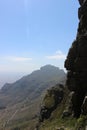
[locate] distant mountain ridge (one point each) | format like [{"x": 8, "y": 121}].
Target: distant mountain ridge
[
  {"x": 35, "y": 83},
  {"x": 25, "y": 94}
]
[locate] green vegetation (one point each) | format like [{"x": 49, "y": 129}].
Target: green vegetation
[
  {"x": 82, "y": 123},
  {"x": 67, "y": 123}
]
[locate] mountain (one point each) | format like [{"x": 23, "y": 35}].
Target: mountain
[
  {"x": 31, "y": 86},
  {"x": 20, "y": 101}
]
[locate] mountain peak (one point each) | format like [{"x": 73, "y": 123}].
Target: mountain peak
[{"x": 48, "y": 67}]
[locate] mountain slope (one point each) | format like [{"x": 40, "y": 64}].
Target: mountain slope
[
  {"x": 20, "y": 101},
  {"x": 32, "y": 85}
]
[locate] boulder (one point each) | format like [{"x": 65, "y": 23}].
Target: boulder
[
  {"x": 52, "y": 98},
  {"x": 66, "y": 113}
]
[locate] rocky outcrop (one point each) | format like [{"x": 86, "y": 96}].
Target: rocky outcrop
[
  {"x": 51, "y": 100},
  {"x": 76, "y": 62}
]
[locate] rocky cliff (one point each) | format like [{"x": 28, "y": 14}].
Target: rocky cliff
[
  {"x": 76, "y": 64},
  {"x": 52, "y": 99},
  {"x": 71, "y": 112}
]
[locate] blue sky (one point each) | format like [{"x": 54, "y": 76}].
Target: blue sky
[{"x": 34, "y": 33}]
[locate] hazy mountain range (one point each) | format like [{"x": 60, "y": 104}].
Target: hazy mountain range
[{"x": 21, "y": 100}]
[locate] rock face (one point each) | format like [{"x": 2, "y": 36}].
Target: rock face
[
  {"x": 76, "y": 62},
  {"x": 52, "y": 98}
]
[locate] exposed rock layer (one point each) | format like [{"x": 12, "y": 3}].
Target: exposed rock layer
[{"x": 76, "y": 62}]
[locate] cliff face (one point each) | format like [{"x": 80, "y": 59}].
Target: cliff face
[
  {"x": 74, "y": 99},
  {"x": 76, "y": 63}
]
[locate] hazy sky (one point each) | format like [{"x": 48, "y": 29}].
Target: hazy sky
[{"x": 34, "y": 33}]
